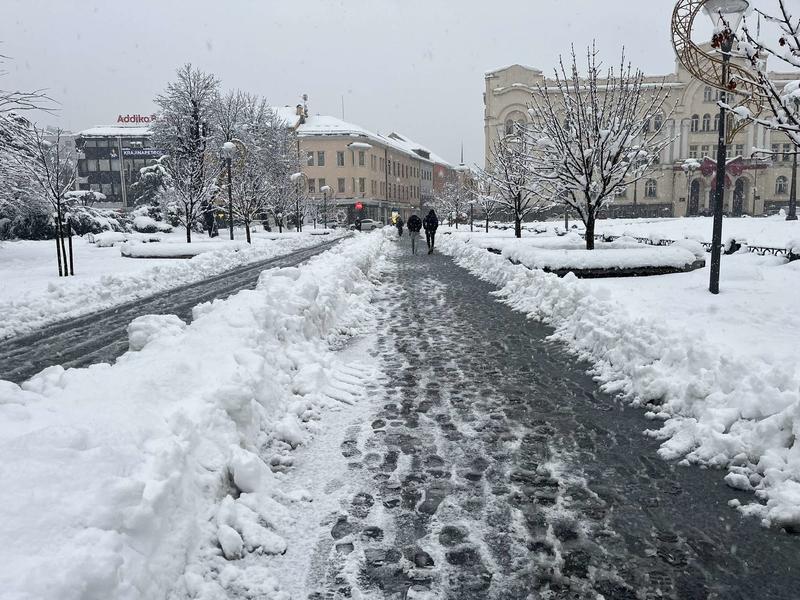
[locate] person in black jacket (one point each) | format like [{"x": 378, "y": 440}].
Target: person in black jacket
[
  {"x": 431, "y": 224},
  {"x": 414, "y": 225},
  {"x": 399, "y": 224}
]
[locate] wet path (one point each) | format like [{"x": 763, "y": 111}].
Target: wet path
[
  {"x": 494, "y": 468},
  {"x": 102, "y": 336}
]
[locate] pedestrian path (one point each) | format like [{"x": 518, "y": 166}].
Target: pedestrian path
[{"x": 492, "y": 467}]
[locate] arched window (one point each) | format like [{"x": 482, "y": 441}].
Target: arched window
[
  {"x": 509, "y": 127},
  {"x": 514, "y": 122},
  {"x": 658, "y": 121},
  {"x": 708, "y": 94},
  {"x": 706, "y": 122},
  {"x": 651, "y": 188},
  {"x": 695, "y": 123},
  {"x": 781, "y": 185},
  {"x": 716, "y": 122}
]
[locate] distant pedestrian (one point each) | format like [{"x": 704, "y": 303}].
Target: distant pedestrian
[
  {"x": 414, "y": 225},
  {"x": 431, "y": 224},
  {"x": 399, "y": 224},
  {"x": 358, "y": 223}
]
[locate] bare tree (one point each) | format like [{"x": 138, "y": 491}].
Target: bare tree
[
  {"x": 183, "y": 129},
  {"x": 453, "y": 198},
  {"x": 282, "y": 161},
  {"x": 590, "y": 137},
  {"x": 518, "y": 188},
  {"x": 783, "y": 101},
  {"x": 485, "y": 198},
  {"x": 52, "y": 170}
]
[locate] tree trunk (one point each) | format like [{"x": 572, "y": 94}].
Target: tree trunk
[
  {"x": 590, "y": 230},
  {"x": 69, "y": 240},
  {"x": 487, "y": 223},
  {"x": 188, "y": 232},
  {"x": 63, "y": 246},
  {"x": 58, "y": 252},
  {"x": 247, "y": 230},
  {"x": 517, "y": 226}
]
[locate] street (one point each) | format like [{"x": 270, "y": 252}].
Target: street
[
  {"x": 491, "y": 466},
  {"x": 102, "y": 336}
]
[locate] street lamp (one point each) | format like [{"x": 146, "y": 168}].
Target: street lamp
[
  {"x": 325, "y": 189},
  {"x": 689, "y": 166},
  {"x": 299, "y": 182},
  {"x": 726, "y": 15},
  {"x": 792, "y": 216},
  {"x": 228, "y": 152}
]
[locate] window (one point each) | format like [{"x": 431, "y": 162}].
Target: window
[
  {"x": 704, "y": 150},
  {"x": 362, "y": 185},
  {"x": 787, "y": 149},
  {"x": 320, "y": 158},
  {"x": 776, "y": 150},
  {"x": 706, "y": 122},
  {"x": 311, "y": 186},
  {"x": 509, "y": 126},
  {"x": 651, "y": 188},
  {"x": 115, "y": 164},
  {"x": 695, "y": 122},
  {"x": 716, "y": 123},
  {"x": 362, "y": 158},
  {"x": 372, "y": 187},
  {"x": 658, "y": 121},
  {"x": 739, "y": 149},
  {"x": 781, "y": 185},
  {"x": 372, "y": 162},
  {"x": 103, "y": 165},
  {"x": 310, "y": 159},
  {"x": 708, "y": 94},
  {"x": 340, "y": 182},
  {"x": 321, "y": 182},
  {"x": 693, "y": 151},
  {"x": 339, "y": 158}
]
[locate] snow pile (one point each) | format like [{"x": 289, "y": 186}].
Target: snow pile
[
  {"x": 26, "y": 309},
  {"x": 145, "y": 224},
  {"x": 107, "y": 239},
  {"x": 150, "y": 476},
  {"x": 601, "y": 258},
  {"x": 177, "y": 250},
  {"x": 736, "y": 412}
]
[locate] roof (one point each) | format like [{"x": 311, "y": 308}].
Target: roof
[
  {"x": 410, "y": 145},
  {"x": 288, "y": 114},
  {"x": 505, "y": 68},
  {"x": 327, "y": 125},
  {"x": 116, "y": 131}
]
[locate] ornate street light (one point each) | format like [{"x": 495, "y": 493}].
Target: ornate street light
[
  {"x": 726, "y": 15},
  {"x": 300, "y": 182}
]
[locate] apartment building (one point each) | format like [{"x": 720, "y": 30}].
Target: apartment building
[{"x": 755, "y": 184}]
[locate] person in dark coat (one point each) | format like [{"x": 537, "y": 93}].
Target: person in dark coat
[
  {"x": 431, "y": 224},
  {"x": 414, "y": 225},
  {"x": 399, "y": 224}
]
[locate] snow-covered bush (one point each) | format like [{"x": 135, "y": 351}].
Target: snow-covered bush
[
  {"x": 692, "y": 246},
  {"x": 85, "y": 219}
]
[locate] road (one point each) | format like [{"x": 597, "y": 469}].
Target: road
[
  {"x": 492, "y": 467},
  {"x": 102, "y": 336}
]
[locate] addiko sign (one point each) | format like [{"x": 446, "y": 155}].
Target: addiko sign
[{"x": 131, "y": 119}]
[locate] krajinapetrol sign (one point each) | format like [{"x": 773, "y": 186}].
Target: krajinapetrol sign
[{"x": 142, "y": 153}]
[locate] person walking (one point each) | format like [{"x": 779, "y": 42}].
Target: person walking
[
  {"x": 399, "y": 224},
  {"x": 414, "y": 225},
  {"x": 431, "y": 224}
]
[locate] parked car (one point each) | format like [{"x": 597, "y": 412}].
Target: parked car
[{"x": 368, "y": 225}]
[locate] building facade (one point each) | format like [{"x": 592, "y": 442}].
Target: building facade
[
  {"x": 109, "y": 159},
  {"x": 755, "y": 184}
]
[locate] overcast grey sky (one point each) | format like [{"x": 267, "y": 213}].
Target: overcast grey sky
[{"x": 413, "y": 66}]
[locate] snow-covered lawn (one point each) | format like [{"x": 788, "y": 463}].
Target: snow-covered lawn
[
  {"x": 133, "y": 480},
  {"x": 32, "y": 294},
  {"x": 722, "y": 373}
]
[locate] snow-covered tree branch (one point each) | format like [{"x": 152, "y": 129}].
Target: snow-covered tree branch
[{"x": 589, "y": 137}]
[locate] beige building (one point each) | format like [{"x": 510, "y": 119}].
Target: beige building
[
  {"x": 383, "y": 174},
  {"x": 755, "y": 185}
]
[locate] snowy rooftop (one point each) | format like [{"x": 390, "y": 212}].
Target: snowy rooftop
[
  {"x": 116, "y": 130},
  {"x": 410, "y": 145},
  {"x": 498, "y": 69},
  {"x": 288, "y": 114}
]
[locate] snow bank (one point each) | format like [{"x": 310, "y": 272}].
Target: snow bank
[
  {"x": 639, "y": 256},
  {"x": 177, "y": 250},
  {"x": 63, "y": 298},
  {"x": 114, "y": 476},
  {"x": 738, "y": 413}
]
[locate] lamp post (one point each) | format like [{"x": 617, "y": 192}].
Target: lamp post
[
  {"x": 792, "y": 216},
  {"x": 325, "y": 189},
  {"x": 228, "y": 152},
  {"x": 299, "y": 180},
  {"x": 726, "y": 16},
  {"x": 689, "y": 166}
]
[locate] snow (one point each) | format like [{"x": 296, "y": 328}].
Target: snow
[
  {"x": 177, "y": 250},
  {"x": 32, "y": 295},
  {"x": 119, "y": 131},
  {"x": 138, "y": 479},
  {"x": 719, "y": 376}
]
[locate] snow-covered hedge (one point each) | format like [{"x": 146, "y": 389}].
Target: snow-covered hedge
[
  {"x": 611, "y": 258},
  {"x": 122, "y": 473},
  {"x": 177, "y": 249},
  {"x": 716, "y": 410},
  {"x": 145, "y": 224}
]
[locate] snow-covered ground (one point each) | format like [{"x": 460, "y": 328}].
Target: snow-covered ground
[
  {"x": 721, "y": 372},
  {"x": 32, "y": 294},
  {"x": 133, "y": 480}
]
